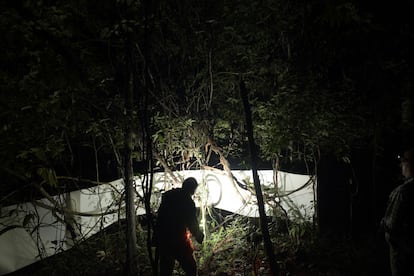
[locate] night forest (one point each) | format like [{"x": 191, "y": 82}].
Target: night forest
[{"x": 94, "y": 91}]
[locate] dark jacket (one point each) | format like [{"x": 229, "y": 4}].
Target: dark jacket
[
  {"x": 398, "y": 221},
  {"x": 176, "y": 215}
]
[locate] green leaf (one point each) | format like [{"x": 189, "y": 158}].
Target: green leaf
[{"x": 48, "y": 175}]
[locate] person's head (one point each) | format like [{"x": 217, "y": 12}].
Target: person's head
[
  {"x": 407, "y": 163},
  {"x": 190, "y": 185}
]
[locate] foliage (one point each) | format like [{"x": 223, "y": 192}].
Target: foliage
[
  {"x": 305, "y": 94},
  {"x": 296, "y": 123},
  {"x": 319, "y": 74},
  {"x": 299, "y": 61},
  {"x": 52, "y": 105},
  {"x": 225, "y": 248},
  {"x": 101, "y": 254},
  {"x": 234, "y": 247}
]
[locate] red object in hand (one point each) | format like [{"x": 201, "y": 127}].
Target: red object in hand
[{"x": 188, "y": 239}]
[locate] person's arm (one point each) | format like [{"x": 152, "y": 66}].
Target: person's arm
[
  {"x": 396, "y": 222},
  {"x": 193, "y": 225}
]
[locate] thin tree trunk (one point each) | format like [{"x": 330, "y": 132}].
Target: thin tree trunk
[
  {"x": 146, "y": 130},
  {"x": 274, "y": 268},
  {"x": 132, "y": 262},
  {"x": 130, "y": 210}
]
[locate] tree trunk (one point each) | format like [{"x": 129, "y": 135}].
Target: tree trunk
[
  {"x": 260, "y": 202},
  {"x": 131, "y": 261}
]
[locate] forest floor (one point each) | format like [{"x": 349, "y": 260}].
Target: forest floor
[{"x": 230, "y": 251}]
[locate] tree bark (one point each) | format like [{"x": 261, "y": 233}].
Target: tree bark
[
  {"x": 274, "y": 268},
  {"x": 131, "y": 260}
]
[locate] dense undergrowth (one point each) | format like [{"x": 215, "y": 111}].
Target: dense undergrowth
[{"x": 231, "y": 248}]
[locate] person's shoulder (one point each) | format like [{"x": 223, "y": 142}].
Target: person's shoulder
[
  {"x": 406, "y": 190},
  {"x": 407, "y": 185},
  {"x": 171, "y": 193}
]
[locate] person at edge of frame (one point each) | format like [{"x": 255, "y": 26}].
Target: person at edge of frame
[{"x": 398, "y": 221}]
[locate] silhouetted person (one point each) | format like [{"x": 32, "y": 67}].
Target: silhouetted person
[
  {"x": 399, "y": 220},
  {"x": 177, "y": 216}
]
